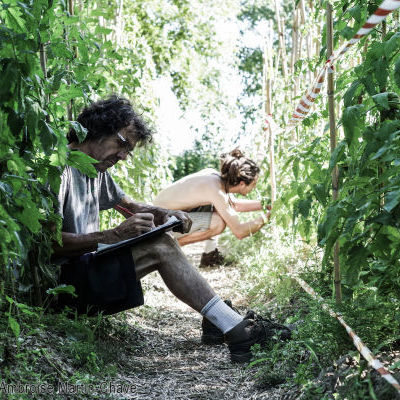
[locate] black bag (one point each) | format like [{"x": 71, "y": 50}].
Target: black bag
[{"x": 103, "y": 282}]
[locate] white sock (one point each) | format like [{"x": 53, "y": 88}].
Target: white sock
[
  {"x": 221, "y": 315},
  {"x": 211, "y": 245}
]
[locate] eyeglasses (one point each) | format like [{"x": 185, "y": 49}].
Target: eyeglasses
[{"x": 124, "y": 143}]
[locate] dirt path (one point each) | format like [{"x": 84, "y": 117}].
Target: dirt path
[{"x": 170, "y": 362}]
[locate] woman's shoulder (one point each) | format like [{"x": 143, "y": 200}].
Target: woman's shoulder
[{"x": 208, "y": 171}]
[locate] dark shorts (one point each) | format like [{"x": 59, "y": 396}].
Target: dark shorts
[
  {"x": 206, "y": 208},
  {"x": 201, "y": 220},
  {"x": 104, "y": 283}
]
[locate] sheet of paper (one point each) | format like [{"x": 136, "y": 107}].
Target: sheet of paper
[{"x": 164, "y": 227}]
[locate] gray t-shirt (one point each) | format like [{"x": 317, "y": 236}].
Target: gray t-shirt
[{"x": 82, "y": 198}]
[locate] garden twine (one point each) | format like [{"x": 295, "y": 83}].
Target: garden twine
[
  {"x": 304, "y": 106},
  {"x": 361, "y": 347}
]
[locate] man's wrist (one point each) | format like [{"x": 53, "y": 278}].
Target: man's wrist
[{"x": 110, "y": 236}]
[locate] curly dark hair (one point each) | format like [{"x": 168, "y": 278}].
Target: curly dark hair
[
  {"x": 235, "y": 167},
  {"x": 105, "y": 118}
]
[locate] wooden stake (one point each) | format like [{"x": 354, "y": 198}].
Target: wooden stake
[
  {"x": 71, "y": 103},
  {"x": 294, "y": 41},
  {"x": 333, "y": 143},
  {"x": 120, "y": 23},
  {"x": 302, "y": 12},
  {"x": 268, "y": 67},
  {"x": 282, "y": 47}
]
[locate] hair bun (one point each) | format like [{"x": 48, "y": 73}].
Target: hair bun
[{"x": 235, "y": 167}]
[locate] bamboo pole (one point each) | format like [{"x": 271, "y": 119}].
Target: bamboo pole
[
  {"x": 43, "y": 65},
  {"x": 43, "y": 62},
  {"x": 71, "y": 102},
  {"x": 268, "y": 68},
  {"x": 35, "y": 272},
  {"x": 294, "y": 41},
  {"x": 282, "y": 48},
  {"x": 333, "y": 144},
  {"x": 120, "y": 23},
  {"x": 302, "y": 8},
  {"x": 383, "y": 117}
]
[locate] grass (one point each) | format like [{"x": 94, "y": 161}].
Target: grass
[
  {"x": 313, "y": 364},
  {"x": 63, "y": 352},
  {"x": 320, "y": 362}
]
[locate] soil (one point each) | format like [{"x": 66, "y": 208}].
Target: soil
[{"x": 171, "y": 362}]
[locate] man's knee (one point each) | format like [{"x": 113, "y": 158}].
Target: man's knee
[{"x": 165, "y": 246}]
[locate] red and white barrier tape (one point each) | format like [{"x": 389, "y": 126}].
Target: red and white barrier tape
[
  {"x": 361, "y": 347},
  {"x": 304, "y": 106}
]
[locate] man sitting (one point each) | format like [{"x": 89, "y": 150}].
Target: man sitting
[
  {"x": 113, "y": 132},
  {"x": 207, "y": 197}
]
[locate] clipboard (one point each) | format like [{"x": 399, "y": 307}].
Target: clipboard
[{"x": 167, "y": 226}]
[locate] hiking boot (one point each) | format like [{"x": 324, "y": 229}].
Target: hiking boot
[
  {"x": 252, "y": 331},
  {"x": 210, "y": 333},
  {"x": 282, "y": 332},
  {"x": 211, "y": 259}
]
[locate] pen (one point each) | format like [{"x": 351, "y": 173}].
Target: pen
[{"x": 123, "y": 209}]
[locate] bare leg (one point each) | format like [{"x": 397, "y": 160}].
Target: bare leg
[
  {"x": 183, "y": 280},
  {"x": 217, "y": 226}
]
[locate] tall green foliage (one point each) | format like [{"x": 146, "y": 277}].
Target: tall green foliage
[
  {"x": 365, "y": 217},
  {"x": 193, "y": 160},
  {"x": 32, "y": 148},
  {"x": 52, "y": 63}
]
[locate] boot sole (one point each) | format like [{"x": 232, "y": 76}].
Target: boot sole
[
  {"x": 241, "y": 358},
  {"x": 209, "y": 339}
]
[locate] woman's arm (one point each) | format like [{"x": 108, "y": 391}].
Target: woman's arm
[
  {"x": 231, "y": 218},
  {"x": 244, "y": 205}
]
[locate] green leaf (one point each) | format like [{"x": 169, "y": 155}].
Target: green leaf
[
  {"x": 381, "y": 71},
  {"x": 32, "y": 122},
  {"x": 15, "y": 122},
  {"x": 15, "y": 21},
  {"x": 56, "y": 81},
  {"x": 396, "y": 73},
  {"x": 382, "y": 150},
  {"x": 54, "y": 177},
  {"x": 83, "y": 162},
  {"x": 337, "y": 155},
  {"x": 80, "y": 131},
  {"x": 347, "y": 32},
  {"x": 350, "y": 93},
  {"x": 302, "y": 207},
  {"x": 355, "y": 12},
  {"x": 369, "y": 84},
  {"x": 384, "y": 218},
  {"x": 14, "y": 325},
  {"x": 382, "y": 101},
  {"x": 296, "y": 167},
  {"x": 30, "y": 217},
  {"x": 392, "y": 44},
  {"x": 102, "y": 31},
  {"x": 8, "y": 77},
  {"x": 320, "y": 193},
  {"x": 47, "y": 137},
  {"x": 351, "y": 121},
  {"x": 62, "y": 289},
  {"x": 392, "y": 199}
]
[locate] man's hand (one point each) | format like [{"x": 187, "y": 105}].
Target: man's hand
[
  {"x": 161, "y": 216},
  {"x": 186, "y": 221},
  {"x": 134, "y": 226}
]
